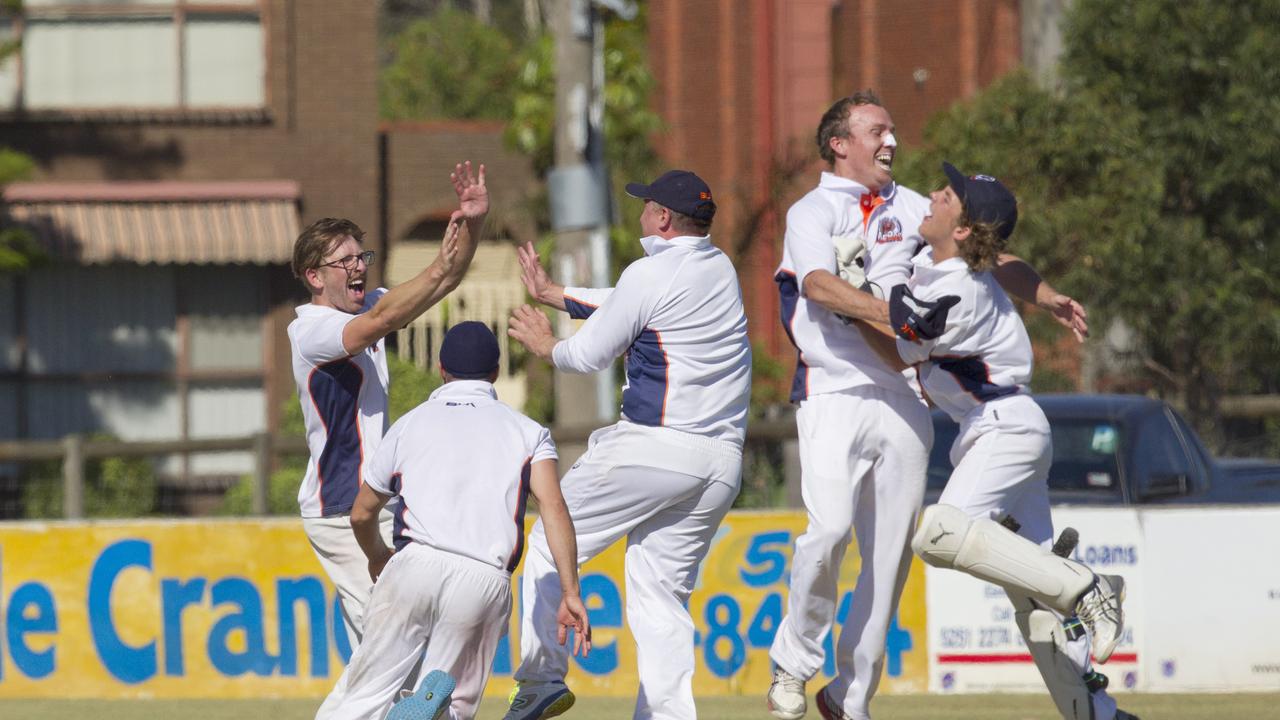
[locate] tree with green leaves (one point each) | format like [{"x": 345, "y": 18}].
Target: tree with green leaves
[
  {"x": 629, "y": 122},
  {"x": 18, "y": 249},
  {"x": 1145, "y": 184},
  {"x": 448, "y": 65}
]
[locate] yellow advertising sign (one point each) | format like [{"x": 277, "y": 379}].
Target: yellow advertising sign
[{"x": 241, "y": 608}]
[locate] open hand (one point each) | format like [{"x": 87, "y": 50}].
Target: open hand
[
  {"x": 448, "y": 255},
  {"x": 535, "y": 278},
  {"x": 473, "y": 196},
  {"x": 573, "y": 614},
  {"x": 1070, "y": 314},
  {"x": 533, "y": 330}
]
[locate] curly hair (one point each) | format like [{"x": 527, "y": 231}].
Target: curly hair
[
  {"x": 318, "y": 240},
  {"x": 981, "y": 250},
  {"x": 835, "y": 121}
]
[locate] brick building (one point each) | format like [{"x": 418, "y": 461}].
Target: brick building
[
  {"x": 742, "y": 84},
  {"x": 179, "y": 147}
]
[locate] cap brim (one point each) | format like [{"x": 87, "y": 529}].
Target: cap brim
[
  {"x": 637, "y": 190},
  {"x": 958, "y": 180}
]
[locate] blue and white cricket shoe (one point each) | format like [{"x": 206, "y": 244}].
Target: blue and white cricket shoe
[
  {"x": 430, "y": 702},
  {"x": 539, "y": 700}
]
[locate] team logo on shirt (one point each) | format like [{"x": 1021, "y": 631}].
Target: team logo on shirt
[{"x": 890, "y": 231}]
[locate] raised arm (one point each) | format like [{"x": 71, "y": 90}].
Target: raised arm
[
  {"x": 412, "y": 298},
  {"x": 407, "y": 300},
  {"x": 545, "y": 485},
  {"x": 536, "y": 280},
  {"x": 1019, "y": 279}
]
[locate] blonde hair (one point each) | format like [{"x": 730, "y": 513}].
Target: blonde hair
[{"x": 981, "y": 250}]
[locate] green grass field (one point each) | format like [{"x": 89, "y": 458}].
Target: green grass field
[{"x": 916, "y": 707}]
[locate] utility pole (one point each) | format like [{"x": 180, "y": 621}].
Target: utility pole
[{"x": 579, "y": 189}]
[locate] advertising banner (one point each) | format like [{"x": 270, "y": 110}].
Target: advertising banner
[
  {"x": 241, "y": 608},
  {"x": 1212, "y": 584}
]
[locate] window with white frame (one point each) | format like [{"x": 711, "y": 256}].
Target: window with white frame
[{"x": 135, "y": 54}]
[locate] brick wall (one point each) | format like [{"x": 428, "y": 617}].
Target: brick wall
[{"x": 741, "y": 85}]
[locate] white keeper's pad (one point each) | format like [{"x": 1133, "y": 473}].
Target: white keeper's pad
[
  {"x": 948, "y": 538},
  {"x": 1045, "y": 639}
]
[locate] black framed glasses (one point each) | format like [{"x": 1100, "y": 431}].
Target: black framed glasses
[{"x": 349, "y": 262}]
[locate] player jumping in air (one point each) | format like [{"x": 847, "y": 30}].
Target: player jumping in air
[
  {"x": 667, "y": 473},
  {"x": 959, "y": 328}
]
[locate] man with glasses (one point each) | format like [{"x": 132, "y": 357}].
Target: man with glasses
[{"x": 340, "y": 368}]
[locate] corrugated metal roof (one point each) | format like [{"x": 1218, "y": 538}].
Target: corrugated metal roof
[{"x": 163, "y": 223}]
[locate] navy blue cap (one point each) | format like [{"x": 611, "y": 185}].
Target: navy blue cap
[
  {"x": 679, "y": 190},
  {"x": 985, "y": 199},
  {"x": 469, "y": 351}
]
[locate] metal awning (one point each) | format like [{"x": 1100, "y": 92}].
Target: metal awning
[{"x": 250, "y": 222}]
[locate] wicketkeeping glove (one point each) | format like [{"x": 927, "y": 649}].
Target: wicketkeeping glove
[{"x": 917, "y": 320}]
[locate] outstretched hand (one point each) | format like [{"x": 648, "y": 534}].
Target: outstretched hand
[
  {"x": 535, "y": 278},
  {"x": 1069, "y": 313},
  {"x": 473, "y": 196},
  {"x": 448, "y": 255},
  {"x": 533, "y": 330},
  {"x": 573, "y": 614}
]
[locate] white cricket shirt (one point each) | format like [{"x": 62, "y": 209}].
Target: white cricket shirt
[
  {"x": 344, "y": 405},
  {"x": 677, "y": 313},
  {"x": 460, "y": 463},
  {"x": 831, "y": 355},
  {"x": 983, "y": 355}
]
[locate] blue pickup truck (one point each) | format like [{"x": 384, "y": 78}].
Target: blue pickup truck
[{"x": 1127, "y": 450}]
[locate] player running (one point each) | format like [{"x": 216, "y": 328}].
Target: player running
[
  {"x": 463, "y": 464},
  {"x": 958, "y": 327},
  {"x": 665, "y": 475}
]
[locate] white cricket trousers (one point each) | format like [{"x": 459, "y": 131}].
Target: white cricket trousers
[
  {"x": 348, "y": 569},
  {"x": 346, "y": 565},
  {"x": 446, "y": 609},
  {"x": 864, "y": 453},
  {"x": 1002, "y": 457},
  {"x": 666, "y": 491}
]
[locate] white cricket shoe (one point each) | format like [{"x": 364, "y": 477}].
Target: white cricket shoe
[
  {"x": 786, "y": 696},
  {"x": 1101, "y": 611},
  {"x": 539, "y": 700}
]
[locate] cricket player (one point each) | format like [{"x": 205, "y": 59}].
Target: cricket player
[
  {"x": 665, "y": 475},
  {"x": 958, "y": 327},
  {"x": 463, "y": 465},
  {"x": 864, "y": 432},
  {"x": 340, "y": 368}
]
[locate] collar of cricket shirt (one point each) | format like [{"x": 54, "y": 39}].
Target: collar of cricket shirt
[
  {"x": 835, "y": 183},
  {"x": 925, "y": 267},
  {"x": 466, "y": 391},
  {"x": 654, "y": 244}
]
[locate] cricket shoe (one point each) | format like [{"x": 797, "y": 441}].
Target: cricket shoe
[
  {"x": 1101, "y": 611},
  {"x": 429, "y": 702},
  {"x": 538, "y": 700},
  {"x": 1122, "y": 715},
  {"x": 828, "y": 708},
  {"x": 786, "y": 696}
]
